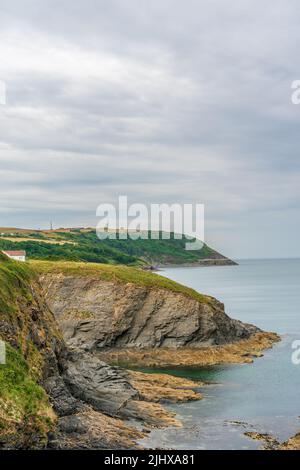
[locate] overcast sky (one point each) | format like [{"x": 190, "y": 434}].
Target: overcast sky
[{"x": 161, "y": 100}]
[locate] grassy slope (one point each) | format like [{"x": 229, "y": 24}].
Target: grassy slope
[
  {"x": 24, "y": 404},
  {"x": 25, "y": 413},
  {"x": 117, "y": 273},
  {"x": 87, "y": 247}
]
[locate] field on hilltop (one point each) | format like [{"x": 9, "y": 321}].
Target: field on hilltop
[{"x": 79, "y": 244}]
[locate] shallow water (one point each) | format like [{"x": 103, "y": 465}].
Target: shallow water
[{"x": 260, "y": 397}]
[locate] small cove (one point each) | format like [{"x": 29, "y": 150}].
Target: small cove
[{"x": 259, "y": 397}]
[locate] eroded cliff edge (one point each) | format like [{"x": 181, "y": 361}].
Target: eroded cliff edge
[
  {"x": 147, "y": 322},
  {"x": 54, "y": 397},
  {"x": 56, "y": 392}
]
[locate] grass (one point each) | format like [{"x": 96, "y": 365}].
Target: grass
[
  {"x": 26, "y": 416},
  {"x": 25, "y": 412},
  {"x": 14, "y": 278},
  {"x": 17, "y": 385},
  {"x": 118, "y": 273},
  {"x": 83, "y": 245},
  {"x": 37, "y": 240}
]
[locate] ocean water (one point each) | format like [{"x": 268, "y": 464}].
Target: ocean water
[{"x": 261, "y": 397}]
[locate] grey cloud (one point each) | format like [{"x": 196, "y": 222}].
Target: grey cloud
[{"x": 164, "y": 101}]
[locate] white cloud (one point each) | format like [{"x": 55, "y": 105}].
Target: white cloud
[{"x": 163, "y": 101}]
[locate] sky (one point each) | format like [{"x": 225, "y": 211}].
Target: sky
[{"x": 164, "y": 101}]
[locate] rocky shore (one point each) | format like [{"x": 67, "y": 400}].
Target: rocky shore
[
  {"x": 54, "y": 396},
  {"x": 109, "y": 323},
  {"x": 107, "y": 407},
  {"x": 69, "y": 327},
  {"x": 240, "y": 352},
  {"x": 202, "y": 262},
  {"x": 270, "y": 442},
  {"x": 292, "y": 444}
]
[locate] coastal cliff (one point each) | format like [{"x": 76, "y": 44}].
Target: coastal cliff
[
  {"x": 59, "y": 320},
  {"x": 33, "y": 344},
  {"x": 83, "y": 244},
  {"x": 152, "y": 322},
  {"x": 95, "y": 313},
  {"x": 52, "y": 397}
]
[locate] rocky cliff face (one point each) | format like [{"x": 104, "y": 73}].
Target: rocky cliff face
[
  {"x": 55, "y": 392},
  {"x": 56, "y": 398},
  {"x": 33, "y": 345},
  {"x": 95, "y": 314}
]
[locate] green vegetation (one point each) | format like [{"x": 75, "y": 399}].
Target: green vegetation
[
  {"x": 18, "y": 389},
  {"x": 25, "y": 412},
  {"x": 84, "y": 245},
  {"x": 116, "y": 273},
  {"x": 14, "y": 278},
  {"x": 28, "y": 328},
  {"x": 26, "y": 416},
  {"x": 85, "y": 248}
]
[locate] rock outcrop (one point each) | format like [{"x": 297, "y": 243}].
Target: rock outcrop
[
  {"x": 95, "y": 314},
  {"x": 33, "y": 346},
  {"x": 51, "y": 397},
  {"x": 55, "y": 389},
  {"x": 239, "y": 352},
  {"x": 291, "y": 444}
]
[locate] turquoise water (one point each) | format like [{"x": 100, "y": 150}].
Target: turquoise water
[{"x": 260, "y": 397}]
